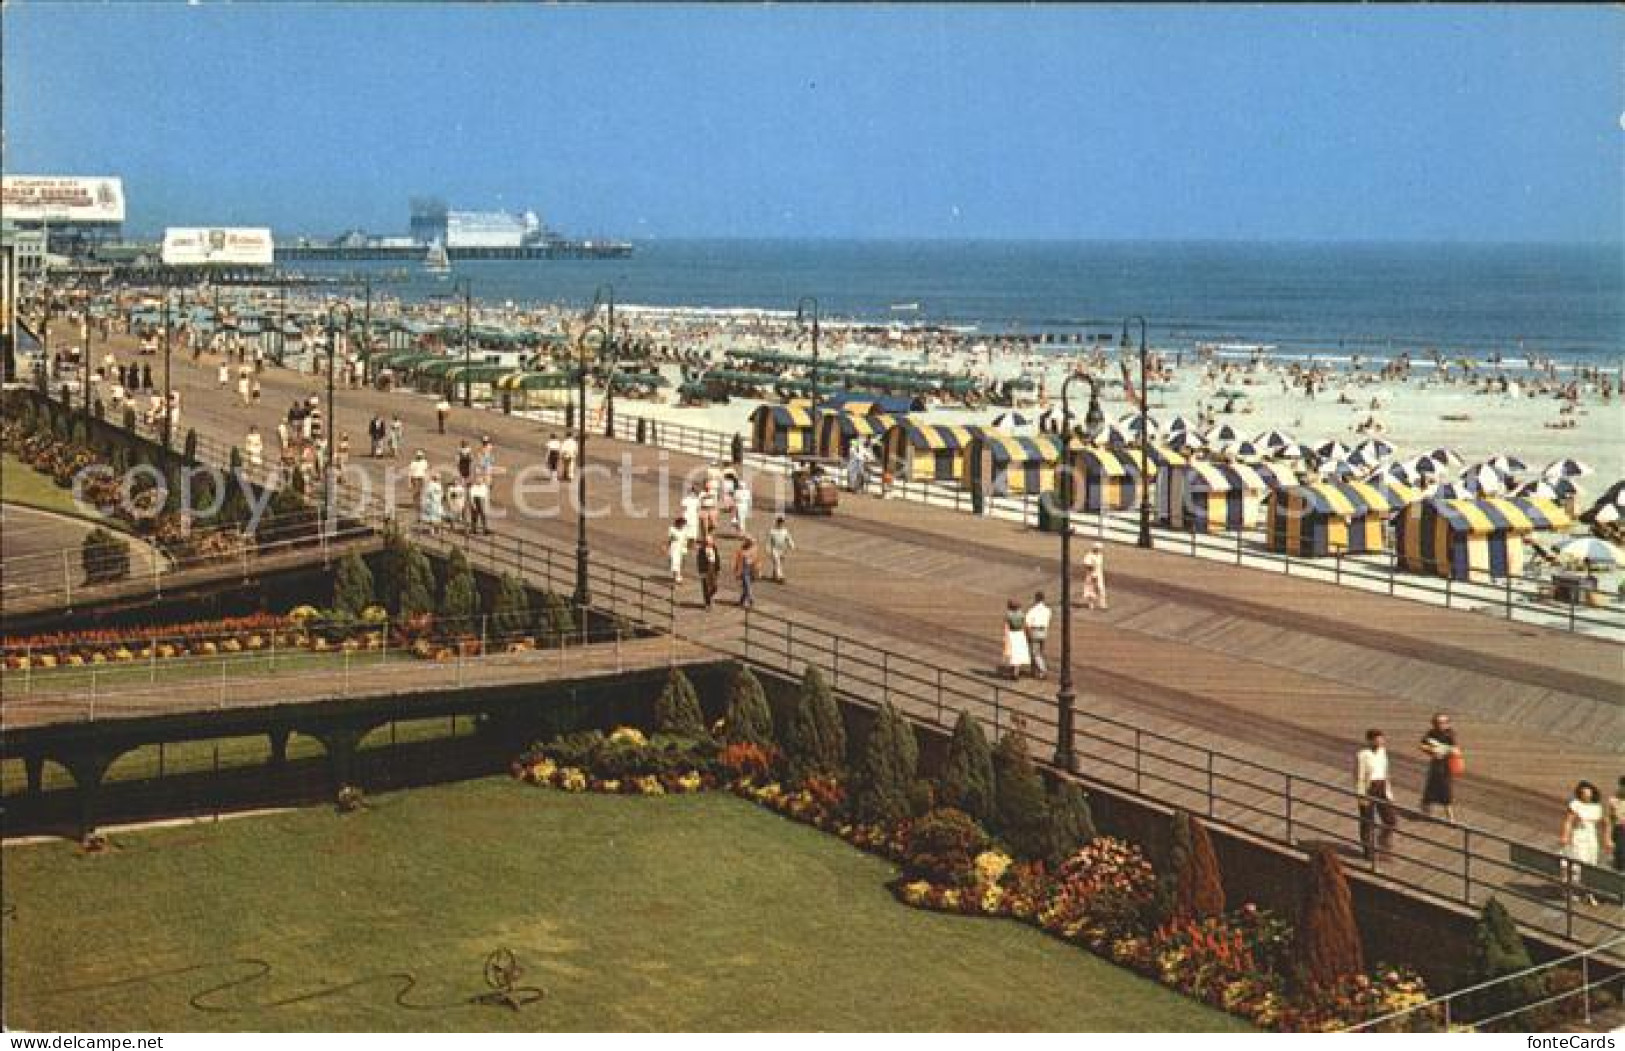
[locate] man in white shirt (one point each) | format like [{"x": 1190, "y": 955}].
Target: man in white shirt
[
  {"x": 1377, "y": 816},
  {"x": 567, "y": 457},
  {"x": 1037, "y": 624},
  {"x": 417, "y": 472}
]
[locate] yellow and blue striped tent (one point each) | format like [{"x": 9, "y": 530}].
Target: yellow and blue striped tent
[
  {"x": 782, "y": 430},
  {"x": 1107, "y": 479},
  {"x": 836, "y": 430},
  {"x": 1326, "y": 518},
  {"x": 1468, "y": 539},
  {"x": 1211, "y": 497},
  {"x": 924, "y": 452},
  {"x": 1005, "y": 465}
]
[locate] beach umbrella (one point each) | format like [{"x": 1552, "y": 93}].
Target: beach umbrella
[
  {"x": 1452, "y": 491},
  {"x": 1508, "y": 466},
  {"x": 1566, "y": 468},
  {"x": 1274, "y": 440},
  {"x": 1548, "y": 489},
  {"x": 1134, "y": 421},
  {"x": 1010, "y": 420},
  {"x": 1403, "y": 472},
  {"x": 1591, "y": 550},
  {"x": 1446, "y": 457},
  {"x": 1483, "y": 480},
  {"x": 1179, "y": 425},
  {"x": 1186, "y": 441},
  {"x": 1222, "y": 434},
  {"x": 1425, "y": 466},
  {"x": 1332, "y": 451},
  {"x": 1374, "y": 450},
  {"x": 1294, "y": 451},
  {"x": 1248, "y": 451},
  {"x": 1608, "y": 507}
]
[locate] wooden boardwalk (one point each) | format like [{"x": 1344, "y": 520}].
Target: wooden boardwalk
[{"x": 1274, "y": 670}]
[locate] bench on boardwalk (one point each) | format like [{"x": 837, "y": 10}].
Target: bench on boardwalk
[{"x": 1593, "y": 879}]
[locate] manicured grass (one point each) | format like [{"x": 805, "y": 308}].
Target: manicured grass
[
  {"x": 687, "y": 913},
  {"x": 21, "y": 484}
]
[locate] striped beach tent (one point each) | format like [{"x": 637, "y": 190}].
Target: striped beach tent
[
  {"x": 1011, "y": 465},
  {"x": 837, "y": 430},
  {"x": 1102, "y": 479},
  {"x": 1471, "y": 539},
  {"x": 1328, "y": 518},
  {"x": 1211, "y": 497},
  {"x": 924, "y": 452},
  {"x": 782, "y": 430}
]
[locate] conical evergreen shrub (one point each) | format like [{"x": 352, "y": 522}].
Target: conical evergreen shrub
[
  {"x": 885, "y": 774},
  {"x": 967, "y": 781},
  {"x": 1328, "y": 937},
  {"x": 510, "y": 608},
  {"x": 1021, "y": 806},
  {"x": 459, "y": 599},
  {"x": 1069, "y": 824},
  {"x": 677, "y": 709},
  {"x": 748, "y": 719},
  {"x": 814, "y": 736},
  {"x": 1498, "y": 951},
  {"x": 352, "y": 586}
]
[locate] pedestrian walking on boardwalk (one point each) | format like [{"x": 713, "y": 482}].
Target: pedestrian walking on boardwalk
[
  {"x": 433, "y": 506},
  {"x": 465, "y": 462},
  {"x": 553, "y": 456},
  {"x": 745, "y": 570},
  {"x": 1015, "y": 658},
  {"x": 677, "y": 548},
  {"x": 691, "y": 511},
  {"x": 567, "y": 456},
  {"x": 1378, "y": 819},
  {"x": 254, "y": 445},
  {"x": 779, "y": 544},
  {"x": 1444, "y": 765},
  {"x": 442, "y": 409},
  {"x": 1036, "y": 623},
  {"x": 1616, "y": 824},
  {"x": 479, "y": 503},
  {"x": 397, "y": 435},
  {"x": 417, "y": 476},
  {"x": 456, "y": 504},
  {"x": 708, "y": 561},
  {"x": 1583, "y": 832},
  {"x": 1094, "y": 577},
  {"x": 743, "y": 499}
]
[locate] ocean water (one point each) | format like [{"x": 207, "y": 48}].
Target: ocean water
[{"x": 1566, "y": 301}]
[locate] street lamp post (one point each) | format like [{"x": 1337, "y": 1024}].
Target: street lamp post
[
  {"x": 467, "y": 288},
  {"x": 801, "y": 316},
  {"x": 1145, "y": 433},
  {"x": 604, "y": 296},
  {"x": 331, "y": 433},
  {"x": 1066, "y": 697},
  {"x": 583, "y": 342},
  {"x": 169, "y": 410}
]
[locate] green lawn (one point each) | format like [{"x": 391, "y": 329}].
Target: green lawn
[
  {"x": 690, "y": 913},
  {"x": 21, "y": 484}
]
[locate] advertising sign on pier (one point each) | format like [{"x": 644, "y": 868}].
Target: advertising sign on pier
[
  {"x": 218, "y": 246},
  {"x": 62, "y": 198}
]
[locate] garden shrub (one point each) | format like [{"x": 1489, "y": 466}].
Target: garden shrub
[
  {"x": 1499, "y": 950},
  {"x": 748, "y": 719},
  {"x": 555, "y": 619},
  {"x": 352, "y": 586},
  {"x": 416, "y": 596},
  {"x": 104, "y": 557},
  {"x": 1021, "y": 806},
  {"x": 886, "y": 773},
  {"x": 510, "y": 608},
  {"x": 942, "y": 847},
  {"x": 967, "y": 775},
  {"x": 677, "y": 709},
  {"x": 814, "y": 737},
  {"x": 1328, "y": 938},
  {"x": 1069, "y": 823},
  {"x": 459, "y": 599}
]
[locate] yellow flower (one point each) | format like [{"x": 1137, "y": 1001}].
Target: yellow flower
[
  {"x": 991, "y": 866},
  {"x": 628, "y": 735}
]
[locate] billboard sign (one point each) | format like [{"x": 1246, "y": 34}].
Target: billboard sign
[
  {"x": 62, "y": 198},
  {"x": 218, "y": 246}
]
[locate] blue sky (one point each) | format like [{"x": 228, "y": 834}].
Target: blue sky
[{"x": 1325, "y": 123}]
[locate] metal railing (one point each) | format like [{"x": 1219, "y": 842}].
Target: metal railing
[
  {"x": 1450, "y": 1015},
  {"x": 1457, "y": 862},
  {"x": 123, "y": 674}
]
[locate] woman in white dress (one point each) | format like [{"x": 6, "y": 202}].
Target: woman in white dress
[
  {"x": 1017, "y": 657},
  {"x": 1582, "y": 830},
  {"x": 676, "y": 548}
]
